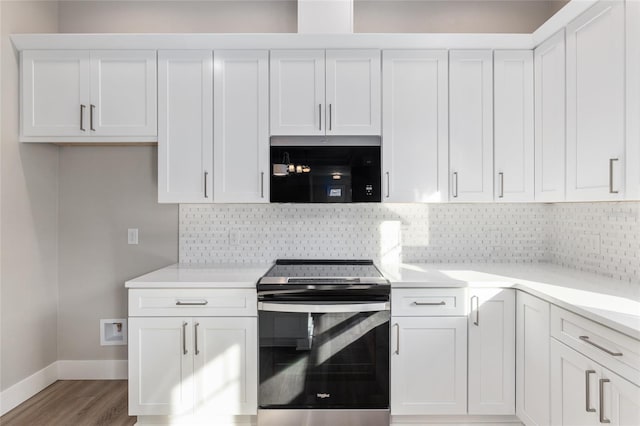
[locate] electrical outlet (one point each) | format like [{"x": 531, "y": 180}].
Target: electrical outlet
[{"x": 132, "y": 236}]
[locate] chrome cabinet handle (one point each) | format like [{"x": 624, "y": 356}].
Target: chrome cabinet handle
[
  {"x": 330, "y": 117},
  {"x": 587, "y": 396},
  {"x": 319, "y": 116},
  {"x": 602, "y": 417},
  {"x": 429, "y": 303},
  {"x": 196, "y": 303},
  {"x": 206, "y": 175},
  {"x": 586, "y": 340},
  {"x": 455, "y": 185},
  {"x": 261, "y": 184},
  {"x": 196, "y": 337},
  {"x": 388, "y": 184},
  {"x": 82, "y": 107},
  {"x": 397, "y": 338},
  {"x": 611, "y": 161},
  {"x": 477, "y": 320},
  {"x": 501, "y": 176},
  {"x": 91, "y": 110},
  {"x": 184, "y": 337}
]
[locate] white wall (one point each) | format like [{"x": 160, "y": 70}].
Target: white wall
[
  {"x": 178, "y": 16},
  {"x": 452, "y": 16},
  {"x": 29, "y": 216},
  {"x": 104, "y": 191}
]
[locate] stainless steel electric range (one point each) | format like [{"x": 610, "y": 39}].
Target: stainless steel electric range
[{"x": 324, "y": 344}]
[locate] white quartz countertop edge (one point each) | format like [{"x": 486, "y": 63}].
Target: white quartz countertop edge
[{"x": 613, "y": 303}]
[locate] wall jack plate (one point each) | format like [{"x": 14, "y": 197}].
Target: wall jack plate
[{"x": 113, "y": 332}]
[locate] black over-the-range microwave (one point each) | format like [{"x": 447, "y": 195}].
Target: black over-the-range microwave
[{"x": 325, "y": 169}]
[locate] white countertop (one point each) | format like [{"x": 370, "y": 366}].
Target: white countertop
[
  {"x": 613, "y": 303},
  {"x": 201, "y": 276}
]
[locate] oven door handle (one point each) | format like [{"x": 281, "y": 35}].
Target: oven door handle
[{"x": 323, "y": 308}]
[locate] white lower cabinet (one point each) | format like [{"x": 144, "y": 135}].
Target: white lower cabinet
[
  {"x": 532, "y": 360},
  {"x": 492, "y": 344},
  {"x": 185, "y": 366},
  {"x": 160, "y": 372},
  {"x": 428, "y": 365},
  {"x": 584, "y": 393}
]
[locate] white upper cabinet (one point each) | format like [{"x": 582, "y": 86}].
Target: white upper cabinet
[
  {"x": 297, "y": 92},
  {"x": 89, "y": 96},
  {"x": 352, "y": 92},
  {"x": 596, "y": 103},
  {"x": 123, "y": 93},
  {"x": 185, "y": 131},
  {"x": 513, "y": 118},
  {"x": 492, "y": 351},
  {"x": 471, "y": 125},
  {"x": 241, "y": 126},
  {"x": 301, "y": 106},
  {"x": 415, "y": 125},
  {"x": 549, "y": 59},
  {"x": 55, "y": 93}
]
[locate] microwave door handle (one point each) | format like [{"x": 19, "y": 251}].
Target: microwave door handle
[{"x": 323, "y": 308}]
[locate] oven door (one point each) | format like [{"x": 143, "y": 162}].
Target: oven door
[{"x": 324, "y": 355}]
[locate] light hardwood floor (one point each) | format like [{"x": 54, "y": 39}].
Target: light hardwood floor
[{"x": 74, "y": 403}]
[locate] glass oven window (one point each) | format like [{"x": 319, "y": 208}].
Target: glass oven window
[{"x": 324, "y": 360}]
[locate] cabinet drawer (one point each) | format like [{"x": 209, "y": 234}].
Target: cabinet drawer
[
  {"x": 428, "y": 301},
  {"x": 616, "y": 351},
  {"x": 193, "y": 302}
]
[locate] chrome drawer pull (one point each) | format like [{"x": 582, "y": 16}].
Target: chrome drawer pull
[
  {"x": 200, "y": 303},
  {"x": 397, "y": 338},
  {"x": 586, "y": 339},
  {"x": 602, "y": 417},
  {"x": 429, "y": 303},
  {"x": 588, "y": 373}
]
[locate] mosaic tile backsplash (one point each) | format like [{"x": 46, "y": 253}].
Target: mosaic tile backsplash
[{"x": 602, "y": 238}]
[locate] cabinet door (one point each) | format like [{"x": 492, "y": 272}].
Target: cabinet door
[
  {"x": 160, "y": 366},
  {"x": 550, "y": 77},
  {"x": 226, "y": 363},
  {"x": 621, "y": 400},
  {"x": 55, "y": 93},
  {"x": 123, "y": 93},
  {"x": 532, "y": 360},
  {"x": 241, "y": 126},
  {"x": 415, "y": 125},
  {"x": 185, "y": 131},
  {"x": 297, "y": 92},
  {"x": 429, "y": 365},
  {"x": 492, "y": 358},
  {"x": 574, "y": 387},
  {"x": 596, "y": 103},
  {"x": 513, "y": 138},
  {"x": 471, "y": 125},
  {"x": 353, "y": 92}
]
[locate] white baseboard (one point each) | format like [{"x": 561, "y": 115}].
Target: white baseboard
[
  {"x": 26, "y": 388},
  {"x": 101, "y": 369}
]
